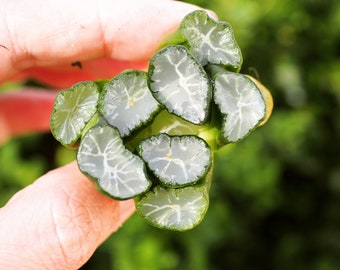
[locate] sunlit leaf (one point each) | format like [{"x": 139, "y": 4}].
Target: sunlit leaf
[
  {"x": 124, "y": 99},
  {"x": 174, "y": 209},
  {"x": 73, "y": 109},
  {"x": 241, "y": 103},
  {"x": 176, "y": 160},
  {"x": 212, "y": 42},
  {"x": 103, "y": 156},
  {"x": 179, "y": 82}
]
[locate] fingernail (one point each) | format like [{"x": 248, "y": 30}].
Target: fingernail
[
  {"x": 212, "y": 14},
  {"x": 126, "y": 208}
]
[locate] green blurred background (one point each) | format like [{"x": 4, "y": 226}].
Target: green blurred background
[{"x": 275, "y": 197}]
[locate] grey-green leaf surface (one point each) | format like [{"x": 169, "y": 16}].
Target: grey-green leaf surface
[
  {"x": 73, "y": 109},
  {"x": 103, "y": 156},
  {"x": 176, "y": 160},
  {"x": 212, "y": 42},
  {"x": 126, "y": 101},
  {"x": 174, "y": 209},
  {"x": 180, "y": 83},
  {"x": 171, "y": 124},
  {"x": 241, "y": 104}
]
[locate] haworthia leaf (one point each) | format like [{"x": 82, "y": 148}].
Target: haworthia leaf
[
  {"x": 179, "y": 82},
  {"x": 212, "y": 42},
  {"x": 103, "y": 156},
  {"x": 73, "y": 109},
  {"x": 171, "y": 124},
  {"x": 126, "y": 101},
  {"x": 174, "y": 209},
  {"x": 241, "y": 104},
  {"x": 176, "y": 160}
]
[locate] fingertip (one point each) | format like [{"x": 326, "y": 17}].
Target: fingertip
[
  {"x": 212, "y": 14},
  {"x": 126, "y": 209},
  {"x": 187, "y": 8}
]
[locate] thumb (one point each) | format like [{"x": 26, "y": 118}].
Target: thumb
[{"x": 57, "y": 222}]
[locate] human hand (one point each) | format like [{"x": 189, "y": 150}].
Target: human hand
[{"x": 59, "y": 220}]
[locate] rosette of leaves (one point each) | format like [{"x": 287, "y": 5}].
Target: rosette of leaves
[{"x": 151, "y": 135}]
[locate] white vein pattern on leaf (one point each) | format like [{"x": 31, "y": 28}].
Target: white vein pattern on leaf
[
  {"x": 76, "y": 114},
  {"x": 189, "y": 157},
  {"x": 126, "y": 94},
  {"x": 121, "y": 109},
  {"x": 196, "y": 99},
  {"x": 243, "y": 106},
  {"x": 118, "y": 174},
  {"x": 164, "y": 171},
  {"x": 184, "y": 212},
  {"x": 192, "y": 106},
  {"x": 206, "y": 49}
]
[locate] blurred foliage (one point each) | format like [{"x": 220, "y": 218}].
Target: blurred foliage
[{"x": 275, "y": 197}]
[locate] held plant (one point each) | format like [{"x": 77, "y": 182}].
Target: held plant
[{"x": 152, "y": 135}]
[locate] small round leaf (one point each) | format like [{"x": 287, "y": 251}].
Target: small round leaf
[
  {"x": 126, "y": 101},
  {"x": 73, "y": 109},
  {"x": 212, "y": 42},
  {"x": 179, "y": 82},
  {"x": 174, "y": 209},
  {"x": 240, "y": 102},
  {"x": 103, "y": 156},
  {"x": 176, "y": 160}
]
